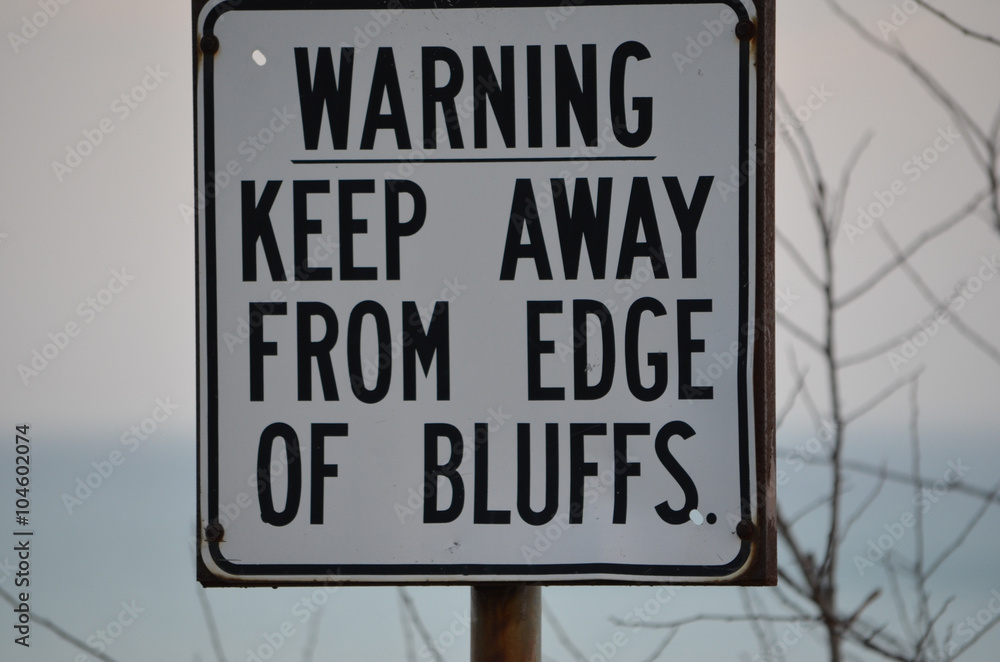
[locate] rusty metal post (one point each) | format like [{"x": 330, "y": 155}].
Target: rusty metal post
[{"x": 506, "y": 623}]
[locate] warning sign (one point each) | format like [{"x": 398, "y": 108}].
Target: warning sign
[{"x": 477, "y": 295}]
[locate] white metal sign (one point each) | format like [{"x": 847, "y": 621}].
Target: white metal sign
[{"x": 475, "y": 287}]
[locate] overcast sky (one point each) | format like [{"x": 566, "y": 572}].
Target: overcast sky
[{"x": 97, "y": 257}]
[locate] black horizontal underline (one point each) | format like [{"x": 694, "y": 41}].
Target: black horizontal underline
[{"x": 513, "y": 159}]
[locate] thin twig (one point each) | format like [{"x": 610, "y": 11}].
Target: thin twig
[
  {"x": 798, "y": 259},
  {"x": 655, "y": 655},
  {"x": 927, "y": 638},
  {"x": 58, "y": 631},
  {"x": 920, "y": 579},
  {"x": 935, "y": 89},
  {"x": 803, "y": 161},
  {"x": 881, "y": 396},
  {"x": 309, "y": 650},
  {"x": 969, "y": 526},
  {"x": 805, "y": 562},
  {"x": 561, "y": 635},
  {"x": 837, "y": 212},
  {"x": 870, "y": 600},
  {"x": 418, "y": 623},
  {"x": 810, "y": 165},
  {"x": 213, "y": 629},
  {"x": 898, "y": 599},
  {"x": 977, "y": 340},
  {"x": 756, "y": 624},
  {"x": 894, "y": 342},
  {"x": 905, "y": 479},
  {"x": 979, "y": 635},
  {"x": 912, "y": 248},
  {"x": 958, "y": 26},
  {"x": 786, "y": 408},
  {"x": 786, "y": 600},
  {"x": 860, "y": 510},
  {"x": 808, "y": 509},
  {"x": 719, "y": 618},
  {"x": 409, "y": 640},
  {"x": 799, "y": 332}
]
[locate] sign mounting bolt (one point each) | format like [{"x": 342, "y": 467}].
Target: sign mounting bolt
[
  {"x": 210, "y": 44},
  {"x": 214, "y": 532},
  {"x": 745, "y": 30},
  {"x": 745, "y": 529}
]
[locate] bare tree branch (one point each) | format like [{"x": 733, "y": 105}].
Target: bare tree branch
[
  {"x": 892, "y": 343},
  {"x": 935, "y": 88},
  {"x": 719, "y": 618},
  {"x": 914, "y": 246},
  {"x": 881, "y": 396},
  {"x": 58, "y": 631},
  {"x": 418, "y": 623},
  {"x": 560, "y": 632},
  {"x": 798, "y": 259},
  {"x": 869, "y": 601},
  {"x": 309, "y": 650},
  {"x": 820, "y": 501},
  {"x": 920, "y": 579},
  {"x": 979, "y": 635},
  {"x": 799, "y": 332},
  {"x": 805, "y": 158},
  {"x": 905, "y": 479},
  {"x": 863, "y": 507},
  {"x": 837, "y": 212},
  {"x": 662, "y": 646},
  {"x": 756, "y": 624},
  {"x": 805, "y": 562},
  {"x": 213, "y": 629},
  {"x": 958, "y": 26},
  {"x": 960, "y": 539},
  {"x": 977, "y": 340},
  {"x": 409, "y": 639},
  {"x": 792, "y": 397}
]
